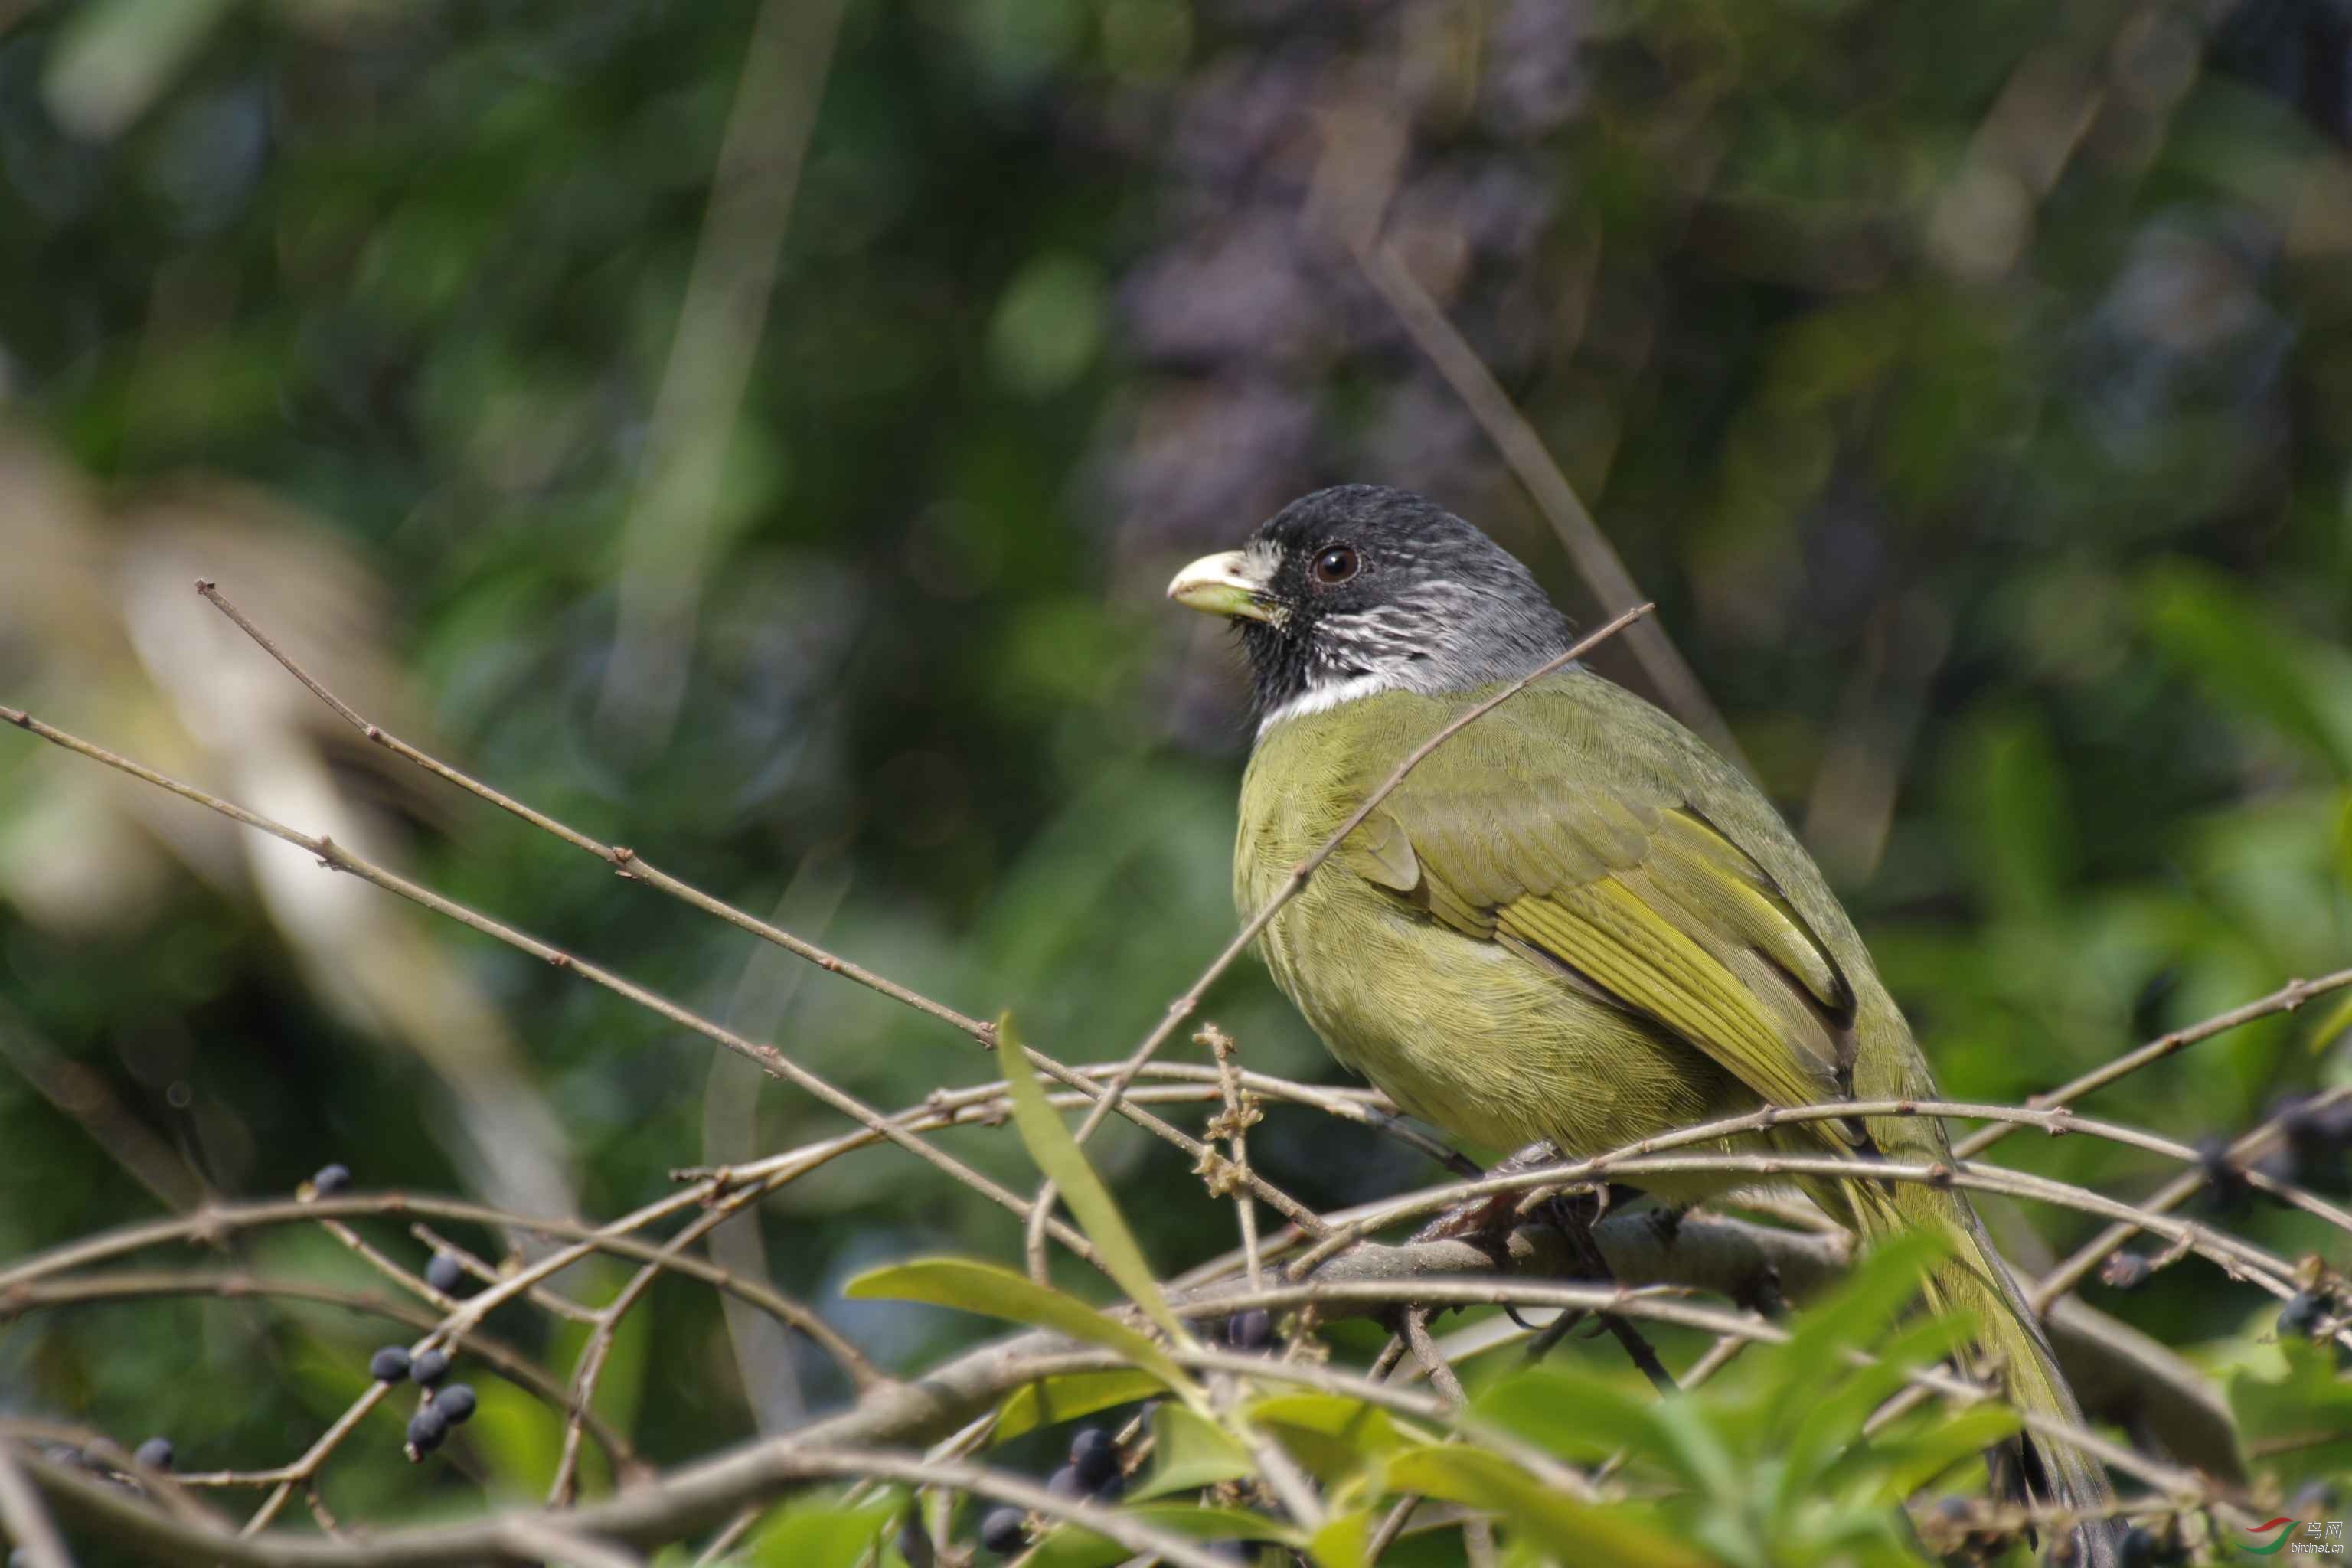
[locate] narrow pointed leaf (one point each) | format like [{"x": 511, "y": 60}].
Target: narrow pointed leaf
[
  {"x": 1576, "y": 1414},
  {"x": 1071, "y": 1546},
  {"x": 1612, "y": 1534},
  {"x": 1058, "y": 1155},
  {"x": 1189, "y": 1451},
  {"x": 998, "y": 1292},
  {"x": 1903, "y": 1465},
  {"x": 1068, "y": 1397},
  {"x": 1343, "y": 1542}
]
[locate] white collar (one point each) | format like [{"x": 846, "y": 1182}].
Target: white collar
[{"x": 1323, "y": 699}]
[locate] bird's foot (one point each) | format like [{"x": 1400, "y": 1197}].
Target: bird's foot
[{"x": 1485, "y": 1221}]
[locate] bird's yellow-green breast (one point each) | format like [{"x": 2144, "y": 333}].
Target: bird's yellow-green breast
[{"x": 1412, "y": 977}]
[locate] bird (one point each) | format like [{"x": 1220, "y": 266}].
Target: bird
[{"x": 1574, "y": 921}]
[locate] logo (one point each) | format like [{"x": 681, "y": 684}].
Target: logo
[
  {"x": 2312, "y": 1538},
  {"x": 2276, "y": 1541}
]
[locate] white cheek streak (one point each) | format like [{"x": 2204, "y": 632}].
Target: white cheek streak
[{"x": 1323, "y": 699}]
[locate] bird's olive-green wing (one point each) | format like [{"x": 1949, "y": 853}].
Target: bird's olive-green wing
[{"x": 1641, "y": 903}]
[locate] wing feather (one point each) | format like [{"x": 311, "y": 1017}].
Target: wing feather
[{"x": 1645, "y": 903}]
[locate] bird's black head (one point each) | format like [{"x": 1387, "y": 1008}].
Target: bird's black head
[{"x": 1362, "y": 588}]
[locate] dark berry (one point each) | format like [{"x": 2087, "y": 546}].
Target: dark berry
[
  {"x": 2147, "y": 1548},
  {"x": 1250, "y": 1331},
  {"x": 2125, "y": 1270},
  {"x": 444, "y": 1272},
  {"x": 2225, "y": 1183},
  {"x": 330, "y": 1180},
  {"x": 155, "y": 1453},
  {"x": 456, "y": 1402},
  {"x": 426, "y": 1428},
  {"x": 429, "y": 1367},
  {"x": 389, "y": 1364},
  {"x": 2303, "y": 1312},
  {"x": 1004, "y": 1531},
  {"x": 915, "y": 1544},
  {"x": 1094, "y": 1456}
]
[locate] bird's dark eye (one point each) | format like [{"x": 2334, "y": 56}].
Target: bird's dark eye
[{"x": 1334, "y": 563}]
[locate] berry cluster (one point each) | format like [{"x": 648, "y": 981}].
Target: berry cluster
[
  {"x": 1092, "y": 1471},
  {"x": 444, "y": 1405}
]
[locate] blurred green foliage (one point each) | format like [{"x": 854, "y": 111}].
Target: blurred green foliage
[{"x": 1971, "y": 384}]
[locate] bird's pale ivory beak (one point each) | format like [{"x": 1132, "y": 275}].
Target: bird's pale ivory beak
[{"x": 1223, "y": 584}]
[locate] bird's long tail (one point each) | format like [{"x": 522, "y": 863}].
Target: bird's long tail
[{"x": 2009, "y": 1340}]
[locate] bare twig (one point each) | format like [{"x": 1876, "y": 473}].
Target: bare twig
[
  {"x": 2171, "y": 1195},
  {"x": 1643, "y": 1156},
  {"x": 1239, "y": 1113},
  {"x": 2285, "y": 999},
  {"x": 129, "y": 1285},
  {"x": 29, "y": 1523},
  {"x": 626, "y": 863},
  {"x": 334, "y": 856}
]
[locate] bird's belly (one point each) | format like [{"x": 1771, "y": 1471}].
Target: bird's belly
[{"x": 1492, "y": 1047}]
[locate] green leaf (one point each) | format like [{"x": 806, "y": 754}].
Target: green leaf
[
  {"x": 999, "y": 1293},
  {"x": 1189, "y": 1451},
  {"x": 1073, "y": 1546},
  {"x": 2309, "y": 1402},
  {"x": 1568, "y": 1411},
  {"x": 1901, "y": 1466},
  {"x": 1698, "y": 1447},
  {"x": 1613, "y": 1534},
  {"x": 1856, "y": 1315},
  {"x": 1343, "y": 1542},
  {"x": 1829, "y": 1425},
  {"x": 1361, "y": 1424},
  {"x": 823, "y": 1532},
  {"x": 1333, "y": 1436},
  {"x": 1058, "y": 1155},
  {"x": 1070, "y": 1396}
]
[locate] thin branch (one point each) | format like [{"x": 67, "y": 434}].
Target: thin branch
[
  {"x": 540, "y": 1296},
  {"x": 334, "y": 856},
  {"x": 128, "y": 1285},
  {"x": 2175, "y": 1192},
  {"x": 28, "y": 1522},
  {"x": 626, "y": 863},
  {"x": 658, "y": 1512},
  {"x": 1637, "y": 1156},
  {"x": 2285, "y": 999},
  {"x": 1239, "y": 1113}
]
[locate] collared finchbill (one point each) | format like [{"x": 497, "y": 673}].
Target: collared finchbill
[{"x": 1224, "y": 584}]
